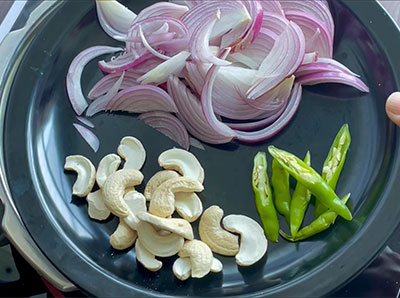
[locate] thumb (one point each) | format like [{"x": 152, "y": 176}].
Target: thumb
[{"x": 393, "y": 108}]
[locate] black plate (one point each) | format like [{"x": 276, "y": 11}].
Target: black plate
[{"x": 38, "y": 135}]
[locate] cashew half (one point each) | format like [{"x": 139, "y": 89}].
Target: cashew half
[
  {"x": 188, "y": 205},
  {"x": 182, "y": 268},
  {"x": 174, "y": 225},
  {"x": 136, "y": 203},
  {"x": 86, "y": 174},
  {"x": 211, "y": 232},
  {"x": 216, "y": 266},
  {"x": 158, "y": 179},
  {"x": 253, "y": 243},
  {"x": 146, "y": 258},
  {"x": 160, "y": 246},
  {"x": 132, "y": 150},
  {"x": 107, "y": 165},
  {"x": 123, "y": 237},
  {"x": 114, "y": 190},
  {"x": 163, "y": 201},
  {"x": 183, "y": 162},
  {"x": 96, "y": 207},
  {"x": 201, "y": 257}
]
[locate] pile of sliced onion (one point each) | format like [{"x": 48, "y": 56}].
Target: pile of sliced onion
[{"x": 215, "y": 71}]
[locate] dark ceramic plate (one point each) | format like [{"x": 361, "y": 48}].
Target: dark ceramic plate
[{"x": 38, "y": 135}]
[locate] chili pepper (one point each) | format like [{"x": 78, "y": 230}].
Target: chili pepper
[
  {"x": 299, "y": 204},
  {"x": 323, "y": 222},
  {"x": 280, "y": 185},
  {"x": 334, "y": 162},
  {"x": 263, "y": 197},
  {"x": 311, "y": 180}
]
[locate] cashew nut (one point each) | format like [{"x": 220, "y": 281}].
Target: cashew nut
[
  {"x": 201, "y": 257},
  {"x": 163, "y": 201},
  {"x": 86, "y": 174},
  {"x": 123, "y": 237},
  {"x": 158, "y": 179},
  {"x": 174, "y": 225},
  {"x": 182, "y": 268},
  {"x": 132, "y": 150},
  {"x": 160, "y": 246},
  {"x": 211, "y": 232},
  {"x": 96, "y": 207},
  {"x": 216, "y": 266},
  {"x": 253, "y": 243},
  {"x": 183, "y": 162},
  {"x": 146, "y": 258},
  {"x": 136, "y": 203},
  {"x": 188, "y": 205},
  {"x": 108, "y": 165},
  {"x": 114, "y": 190}
]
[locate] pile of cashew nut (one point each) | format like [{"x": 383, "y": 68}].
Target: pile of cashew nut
[{"x": 153, "y": 229}]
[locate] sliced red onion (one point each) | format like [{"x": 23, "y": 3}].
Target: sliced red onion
[
  {"x": 162, "y": 9},
  {"x": 339, "y": 65},
  {"x": 318, "y": 9},
  {"x": 245, "y": 60},
  {"x": 199, "y": 42},
  {"x": 333, "y": 77},
  {"x": 88, "y": 136},
  {"x": 233, "y": 14},
  {"x": 114, "y": 18},
  {"x": 85, "y": 121},
  {"x": 196, "y": 143},
  {"x": 310, "y": 58},
  {"x": 274, "y": 22},
  {"x": 238, "y": 39},
  {"x": 75, "y": 70},
  {"x": 188, "y": 3},
  {"x": 141, "y": 99},
  {"x": 278, "y": 125},
  {"x": 284, "y": 58},
  {"x": 272, "y": 6},
  {"x": 123, "y": 62},
  {"x": 322, "y": 42},
  {"x": 321, "y": 65},
  {"x": 169, "y": 125},
  {"x": 148, "y": 46},
  {"x": 106, "y": 82},
  {"x": 191, "y": 113},
  {"x": 274, "y": 99},
  {"x": 101, "y": 103},
  {"x": 161, "y": 72},
  {"x": 154, "y": 24},
  {"x": 206, "y": 100}
]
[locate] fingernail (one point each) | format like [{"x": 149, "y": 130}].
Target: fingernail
[{"x": 393, "y": 103}]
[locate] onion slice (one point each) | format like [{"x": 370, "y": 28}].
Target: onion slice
[
  {"x": 284, "y": 58},
  {"x": 278, "y": 125},
  {"x": 114, "y": 18},
  {"x": 74, "y": 88},
  {"x": 106, "y": 82},
  {"x": 272, "y": 6},
  {"x": 333, "y": 77},
  {"x": 101, "y": 103},
  {"x": 123, "y": 62},
  {"x": 162, "y": 9},
  {"x": 85, "y": 121},
  {"x": 168, "y": 125},
  {"x": 161, "y": 73},
  {"x": 88, "y": 136},
  {"x": 141, "y": 99}
]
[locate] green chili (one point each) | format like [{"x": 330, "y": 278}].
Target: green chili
[
  {"x": 323, "y": 222},
  {"x": 334, "y": 162},
  {"x": 280, "y": 185},
  {"x": 311, "y": 180},
  {"x": 299, "y": 204},
  {"x": 263, "y": 197}
]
